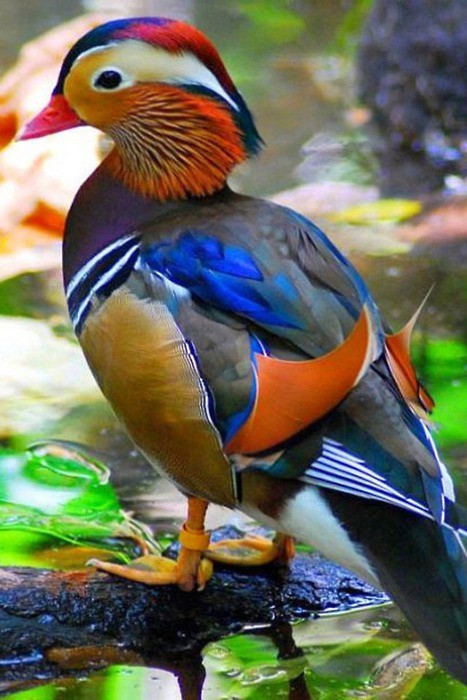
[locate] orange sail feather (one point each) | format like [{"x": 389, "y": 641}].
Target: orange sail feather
[
  {"x": 293, "y": 394},
  {"x": 398, "y": 356}
]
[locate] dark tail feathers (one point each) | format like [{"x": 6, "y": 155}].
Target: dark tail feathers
[{"x": 422, "y": 566}]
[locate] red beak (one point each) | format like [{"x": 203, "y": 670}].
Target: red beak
[{"x": 57, "y": 116}]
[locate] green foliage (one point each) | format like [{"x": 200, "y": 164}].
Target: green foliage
[
  {"x": 277, "y": 21},
  {"x": 266, "y": 29},
  {"x": 47, "y": 497},
  {"x": 438, "y": 685},
  {"x": 443, "y": 362},
  {"x": 31, "y": 294},
  {"x": 349, "y": 30}
]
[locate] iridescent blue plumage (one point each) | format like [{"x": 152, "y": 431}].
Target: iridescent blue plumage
[
  {"x": 249, "y": 282},
  {"x": 227, "y": 277}
]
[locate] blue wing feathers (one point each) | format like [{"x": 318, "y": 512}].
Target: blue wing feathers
[
  {"x": 226, "y": 276},
  {"x": 246, "y": 300},
  {"x": 195, "y": 251},
  {"x": 292, "y": 281}
]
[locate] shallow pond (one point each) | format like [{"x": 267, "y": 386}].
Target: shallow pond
[{"x": 292, "y": 61}]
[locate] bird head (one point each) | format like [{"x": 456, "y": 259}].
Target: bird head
[{"x": 159, "y": 88}]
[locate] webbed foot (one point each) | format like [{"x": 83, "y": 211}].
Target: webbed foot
[
  {"x": 252, "y": 550},
  {"x": 190, "y": 571}
]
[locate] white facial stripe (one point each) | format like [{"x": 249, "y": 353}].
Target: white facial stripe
[
  {"x": 193, "y": 72},
  {"x": 142, "y": 62},
  {"x": 90, "y": 52}
]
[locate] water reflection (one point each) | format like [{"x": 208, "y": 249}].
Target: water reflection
[{"x": 354, "y": 655}]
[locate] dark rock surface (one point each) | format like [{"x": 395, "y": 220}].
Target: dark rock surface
[{"x": 46, "y": 616}]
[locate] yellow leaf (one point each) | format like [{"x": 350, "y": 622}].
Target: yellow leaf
[{"x": 385, "y": 210}]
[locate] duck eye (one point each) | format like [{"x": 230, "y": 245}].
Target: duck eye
[{"x": 109, "y": 79}]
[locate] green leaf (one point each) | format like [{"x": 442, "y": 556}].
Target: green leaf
[
  {"x": 44, "y": 692},
  {"x": 347, "y": 34},
  {"x": 49, "y": 494}
]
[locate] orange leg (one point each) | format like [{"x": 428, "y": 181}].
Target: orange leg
[
  {"x": 194, "y": 540},
  {"x": 189, "y": 571}
]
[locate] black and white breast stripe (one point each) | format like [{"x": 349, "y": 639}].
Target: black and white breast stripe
[
  {"x": 101, "y": 275},
  {"x": 337, "y": 469}
]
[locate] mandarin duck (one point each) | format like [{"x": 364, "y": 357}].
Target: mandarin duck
[{"x": 240, "y": 349}]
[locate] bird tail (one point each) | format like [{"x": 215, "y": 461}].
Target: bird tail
[{"x": 423, "y": 567}]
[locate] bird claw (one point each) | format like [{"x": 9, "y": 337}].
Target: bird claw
[{"x": 188, "y": 572}]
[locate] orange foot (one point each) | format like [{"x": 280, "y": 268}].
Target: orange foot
[
  {"x": 253, "y": 550},
  {"x": 190, "y": 571}
]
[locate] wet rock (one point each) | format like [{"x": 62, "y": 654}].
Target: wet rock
[{"x": 42, "y": 610}]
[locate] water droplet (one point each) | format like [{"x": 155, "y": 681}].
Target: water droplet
[
  {"x": 218, "y": 652},
  {"x": 265, "y": 673},
  {"x": 233, "y": 672}
]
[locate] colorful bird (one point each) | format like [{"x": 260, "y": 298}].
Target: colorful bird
[{"x": 242, "y": 352}]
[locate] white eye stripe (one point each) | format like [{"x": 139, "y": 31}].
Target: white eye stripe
[
  {"x": 213, "y": 85},
  {"x": 89, "y": 52},
  {"x": 138, "y": 61}
]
